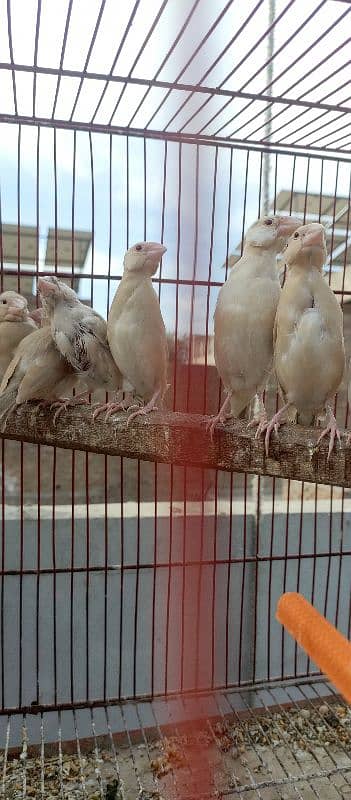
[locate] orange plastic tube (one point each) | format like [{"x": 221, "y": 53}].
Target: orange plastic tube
[{"x": 322, "y": 642}]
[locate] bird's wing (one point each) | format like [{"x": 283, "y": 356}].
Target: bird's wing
[
  {"x": 41, "y": 380},
  {"x": 309, "y": 351},
  {"x": 244, "y": 320},
  {"x": 81, "y": 337},
  {"x": 74, "y": 329},
  {"x": 11, "y": 334},
  {"x": 28, "y": 350},
  {"x": 137, "y": 340},
  {"x": 13, "y": 366}
]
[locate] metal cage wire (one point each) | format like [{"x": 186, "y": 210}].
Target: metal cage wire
[{"x": 126, "y": 580}]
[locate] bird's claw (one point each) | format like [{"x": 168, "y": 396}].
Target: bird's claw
[
  {"x": 65, "y": 403},
  {"x": 261, "y": 420},
  {"x": 110, "y": 408},
  {"x": 113, "y": 406},
  {"x": 219, "y": 418},
  {"x": 134, "y": 405},
  {"x": 140, "y": 411},
  {"x": 333, "y": 430},
  {"x": 60, "y": 405},
  {"x": 273, "y": 425}
]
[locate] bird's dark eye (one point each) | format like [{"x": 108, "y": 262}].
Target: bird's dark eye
[
  {"x": 296, "y": 235},
  {"x": 138, "y": 246},
  {"x": 268, "y": 222}
]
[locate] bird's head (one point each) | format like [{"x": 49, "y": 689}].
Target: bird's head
[
  {"x": 271, "y": 233},
  {"x": 143, "y": 258},
  {"x": 13, "y": 307},
  {"x": 307, "y": 246},
  {"x": 53, "y": 292}
]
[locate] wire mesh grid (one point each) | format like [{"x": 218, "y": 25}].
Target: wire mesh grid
[
  {"x": 141, "y": 544},
  {"x": 272, "y": 742},
  {"x": 183, "y": 70},
  {"x": 123, "y": 579}
]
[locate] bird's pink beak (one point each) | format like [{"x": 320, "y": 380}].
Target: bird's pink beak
[
  {"x": 288, "y": 225},
  {"x": 46, "y": 287},
  {"x": 315, "y": 238},
  {"x": 157, "y": 250}
]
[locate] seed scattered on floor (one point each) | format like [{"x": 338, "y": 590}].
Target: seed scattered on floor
[{"x": 233, "y": 749}]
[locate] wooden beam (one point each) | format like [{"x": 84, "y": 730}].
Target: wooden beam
[{"x": 182, "y": 439}]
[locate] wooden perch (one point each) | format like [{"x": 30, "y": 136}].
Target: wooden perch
[{"x": 182, "y": 439}]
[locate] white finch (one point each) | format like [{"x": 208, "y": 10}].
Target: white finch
[
  {"x": 309, "y": 355},
  {"x": 135, "y": 328},
  {"x": 244, "y": 319}
]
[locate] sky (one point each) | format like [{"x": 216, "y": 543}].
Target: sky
[{"x": 201, "y": 253}]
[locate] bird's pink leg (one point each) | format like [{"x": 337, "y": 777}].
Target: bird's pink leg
[
  {"x": 332, "y": 429},
  {"x": 117, "y": 404},
  {"x": 260, "y": 419},
  {"x": 274, "y": 424},
  {"x": 222, "y": 416},
  {"x": 69, "y": 402},
  {"x": 150, "y": 406}
]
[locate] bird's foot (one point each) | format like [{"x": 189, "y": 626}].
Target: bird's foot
[
  {"x": 68, "y": 402},
  {"x": 124, "y": 404},
  {"x": 333, "y": 430},
  {"x": 111, "y": 408},
  {"x": 221, "y": 418},
  {"x": 274, "y": 425},
  {"x": 261, "y": 420},
  {"x": 60, "y": 405},
  {"x": 141, "y": 412}
]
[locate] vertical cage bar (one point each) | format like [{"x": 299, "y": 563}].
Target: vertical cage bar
[
  {"x": 73, "y": 454},
  {"x": 121, "y": 607},
  {"x": 20, "y": 642},
  {"x": 3, "y": 522},
  {"x": 35, "y": 56},
  {"x": 13, "y": 72}
]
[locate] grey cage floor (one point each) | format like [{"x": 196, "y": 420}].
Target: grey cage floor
[{"x": 275, "y": 743}]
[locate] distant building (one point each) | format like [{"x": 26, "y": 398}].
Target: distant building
[
  {"x": 24, "y": 250},
  {"x": 313, "y": 207}
]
